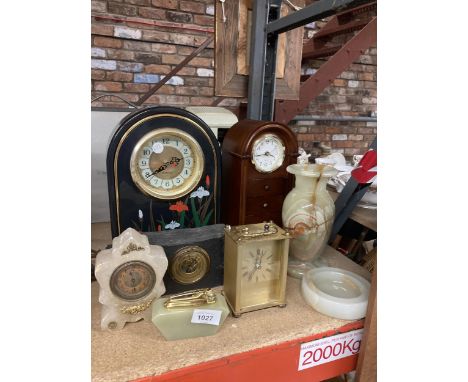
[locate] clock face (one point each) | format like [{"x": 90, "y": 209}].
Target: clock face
[
  {"x": 167, "y": 163},
  {"x": 260, "y": 273},
  {"x": 189, "y": 265},
  {"x": 132, "y": 280},
  {"x": 268, "y": 153}
]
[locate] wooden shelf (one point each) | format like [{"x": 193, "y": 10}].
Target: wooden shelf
[{"x": 242, "y": 344}]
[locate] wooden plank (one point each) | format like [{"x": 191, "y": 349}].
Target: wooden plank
[{"x": 228, "y": 81}]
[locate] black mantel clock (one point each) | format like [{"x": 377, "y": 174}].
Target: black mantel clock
[{"x": 163, "y": 171}]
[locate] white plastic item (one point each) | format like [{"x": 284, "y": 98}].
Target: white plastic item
[
  {"x": 215, "y": 117},
  {"x": 336, "y": 292}
]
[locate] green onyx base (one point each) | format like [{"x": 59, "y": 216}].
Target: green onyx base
[{"x": 175, "y": 323}]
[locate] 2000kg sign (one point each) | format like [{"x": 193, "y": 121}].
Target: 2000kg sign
[{"x": 322, "y": 351}]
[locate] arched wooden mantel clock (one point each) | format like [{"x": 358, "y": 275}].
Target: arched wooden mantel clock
[
  {"x": 163, "y": 172},
  {"x": 255, "y": 155}
]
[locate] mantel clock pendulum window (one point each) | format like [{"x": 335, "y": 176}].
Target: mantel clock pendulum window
[
  {"x": 255, "y": 180},
  {"x": 163, "y": 169}
]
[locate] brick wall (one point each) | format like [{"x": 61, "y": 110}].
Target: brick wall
[{"x": 134, "y": 44}]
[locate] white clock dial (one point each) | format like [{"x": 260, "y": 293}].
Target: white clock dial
[
  {"x": 268, "y": 153},
  {"x": 167, "y": 163}
]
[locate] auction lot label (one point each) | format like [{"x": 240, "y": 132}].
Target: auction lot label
[{"x": 329, "y": 349}]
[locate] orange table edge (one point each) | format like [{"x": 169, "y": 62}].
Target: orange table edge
[{"x": 276, "y": 363}]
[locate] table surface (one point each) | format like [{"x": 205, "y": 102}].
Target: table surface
[
  {"x": 139, "y": 349},
  {"x": 364, "y": 216}
]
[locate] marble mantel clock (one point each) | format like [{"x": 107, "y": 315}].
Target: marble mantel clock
[{"x": 163, "y": 172}]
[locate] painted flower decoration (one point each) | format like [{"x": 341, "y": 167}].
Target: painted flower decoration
[
  {"x": 172, "y": 225},
  {"x": 207, "y": 181},
  {"x": 179, "y": 207},
  {"x": 140, "y": 214},
  {"x": 200, "y": 193}
]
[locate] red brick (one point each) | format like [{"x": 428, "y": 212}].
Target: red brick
[
  {"x": 167, "y": 89},
  {"x": 187, "y": 71},
  {"x": 121, "y": 9},
  {"x": 137, "y": 45},
  {"x": 97, "y": 74},
  {"x": 107, "y": 42},
  {"x": 174, "y": 100},
  {"x": 305, "y": 137},
  {"x": 187, "y": 90},
  {"x": 119, "y": 76},
  {"x": 168, "y": 4},
  {"x": 136, "y": 88},
  {"x": 118, "y": 54},
  {"x": 201, "y": 62},
  {"x": 204, "y": 20},
  {"x": 163, "y": 48},
  {"x": 156, "y": 36},
  {"x": 172, "y": 59},
  {"x": 366, "y": 77},
  {"x": 201, "y": 101},
  {"x": 182, "y": 39},
  {"x": 179, "y": 17},
  {"x": 355, "y": 137},
  {"x": 343, "y": 144},
  {"x": 206, "y": 91},
  {"x": 191, "y": 6},
  {"x": 333, "y": 130},
  {"x": 108, "y": 86},
  {"x": 370, "y": 85},
  {"x": 365, "y": 130},
  {"x": 103, "y": 30},
  {"x": 157, "y": 69},
  {"x": 151, "y": 13},
  {"x": 143, "y": 3},
  {"x": 339, "y": 82}
]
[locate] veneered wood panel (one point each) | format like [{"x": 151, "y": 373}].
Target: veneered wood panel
[{"x": 228, "y": 55}]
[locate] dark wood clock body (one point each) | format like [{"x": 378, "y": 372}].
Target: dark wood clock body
[
  {"x": 250, "y": 196},
  {"x": 126, "y": 199}
]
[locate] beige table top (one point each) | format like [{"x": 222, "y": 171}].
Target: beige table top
[{"x": 139, "y": 350}]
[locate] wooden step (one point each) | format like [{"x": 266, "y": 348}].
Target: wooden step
[
  {"x": 311, "y": 52},
  {"x": 341, "y": 29}
]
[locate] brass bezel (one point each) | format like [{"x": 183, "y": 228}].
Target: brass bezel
[
  {"x": 196, "y": 252},
  {"x": 188, "y": 185},
  {"x": 117, "y": 270},
  {"x": 280, "y": 160}
]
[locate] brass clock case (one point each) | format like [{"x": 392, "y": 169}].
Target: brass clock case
[
  {"x": 189, "y": 265},
  {"x": 132, "y": 280},
  {"x": 169, "y": 164}
]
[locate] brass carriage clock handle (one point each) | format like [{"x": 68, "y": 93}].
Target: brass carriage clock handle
[
  {"x": 268, "y": 229},
  {"x": 191, "y": 298}
]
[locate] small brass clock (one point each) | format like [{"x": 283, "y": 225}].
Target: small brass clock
[{"x": 255, "y": 267}]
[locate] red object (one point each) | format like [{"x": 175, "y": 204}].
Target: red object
[
  {"x": 362, "y": 173},
  {"x": 277, "y": 363},
  {"x": 179, "y": 207},
  {"x": 207, "y": 181},
  {"x": 159, "y": 227}
]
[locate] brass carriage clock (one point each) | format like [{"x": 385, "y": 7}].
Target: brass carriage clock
[
  {"x": 255, "y": 180},
  {"x": 163, "y": 171},
  {"x": 255, "y": 266}
]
